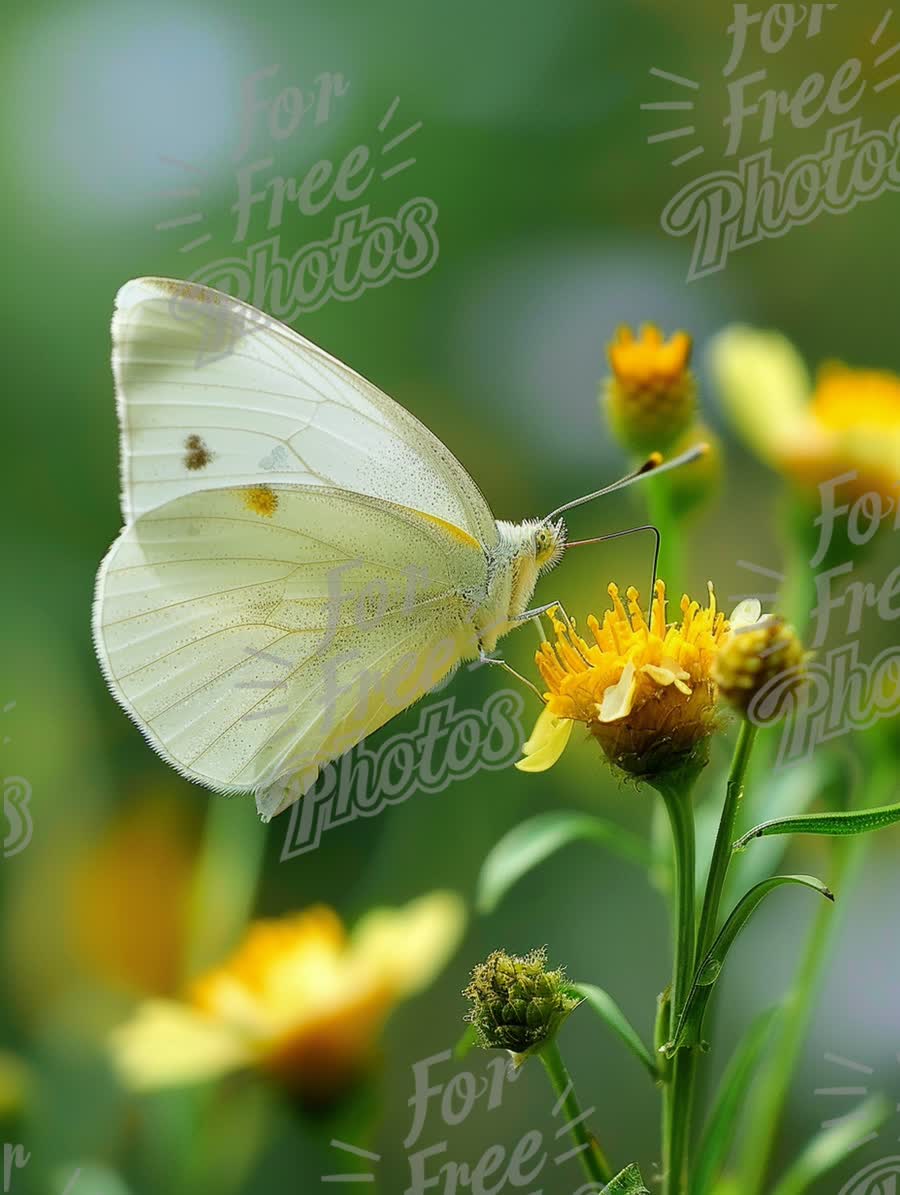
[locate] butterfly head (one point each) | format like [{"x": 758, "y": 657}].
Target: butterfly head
[{"x": 549, "y": 542}]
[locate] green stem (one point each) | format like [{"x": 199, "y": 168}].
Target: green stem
[
  {"x": 225, "y": 881},
  {"x": 679, "y": 1091},
  {"x": 770, "y": 1094},
  {"x": 722, "y": 852},
  {"x": 799, "y": 538},
  {"x": 595, "y": 1165}
]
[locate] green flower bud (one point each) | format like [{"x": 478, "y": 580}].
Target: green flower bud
[
  {"x": 752, "y": 659},
  {"x": 517, "y": 1004}
]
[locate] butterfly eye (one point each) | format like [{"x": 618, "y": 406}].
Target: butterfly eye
[{"x": 544, "y": 542}]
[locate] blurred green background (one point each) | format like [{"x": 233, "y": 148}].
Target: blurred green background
[{"x": 534, "y": 148}]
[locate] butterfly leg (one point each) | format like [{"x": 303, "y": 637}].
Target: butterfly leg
[
  {"x": 560, "y": 612},
  {"x": 485, "y": 658},
  {"x": 545, "y": 609}
]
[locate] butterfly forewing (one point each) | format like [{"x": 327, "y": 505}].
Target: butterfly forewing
[{"x": 214, "y": 393}]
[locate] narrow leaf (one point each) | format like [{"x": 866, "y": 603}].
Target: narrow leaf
[
  {"x": 535, "y": 840},
  {"x": 607, "y": 1009},
  {"x": 629, "y": 1182},
  {"x": 833, "y": 1146},
  {"x": 786, "y": 793},
  {"x": 690, "y": 1023},
  {"x": 862, "y": 821},
  {"x": 466, "y": 1043},
  {"x": 720, "y": 1128}
]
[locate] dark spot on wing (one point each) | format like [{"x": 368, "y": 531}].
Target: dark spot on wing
[{"x": 197, "y": 455}]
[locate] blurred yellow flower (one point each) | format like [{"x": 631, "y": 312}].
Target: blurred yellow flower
[
  {"x": 643, "y": 688},
  {"x": 130, "y": 894},
  {"x": 651, "y": 397},
  {"x": 849, "y": 421},
  {"x": 299, "y": 1000}
]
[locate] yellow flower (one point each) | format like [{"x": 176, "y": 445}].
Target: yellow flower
[
  {"x": 849, "y": 421},
  {"x": 128, "y": 902},
  {"x": 651, "y": 397},
  {"x": 299, "y": 1000},
  {"x": 644, "y": 689}
]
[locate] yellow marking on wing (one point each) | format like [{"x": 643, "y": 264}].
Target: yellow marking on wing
[
  {"x": 457, "y": 533},
  {"x": 261, "y": 500}
]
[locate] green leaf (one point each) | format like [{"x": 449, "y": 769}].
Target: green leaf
[
  {"x": 535, "y": 840},
  {"x": 629, "y": 1182},
  {"x": 785, "y": 793},
  {"x": 607, "y": 1009},
  {"x": 466, "y": 1043},
  {"x": 862, "y": 821},
  {"x": 690, "y": 1024},
  {"x": 833, "y": 1146},
  {"x": 720, "y": 1128}
]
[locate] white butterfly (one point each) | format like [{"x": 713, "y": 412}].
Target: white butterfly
[{"x": 301, "y": 558}]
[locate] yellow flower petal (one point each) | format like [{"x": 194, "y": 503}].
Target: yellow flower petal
[
  {"x": 619, "y": 698},
  {"x": 543, "y": 728},
  {"x": 765, "y": 387},
  {"x": 166, "y": 1044},
  {"x": 548, "y": 740},
  {"x": 668, "y": 673},
  {"x": 745, "y": 614},
  {"x": 408, "y": 947}
]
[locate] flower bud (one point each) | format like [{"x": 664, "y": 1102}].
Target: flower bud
[
  {"x": 651, "y": 397},
  {"x": 517, "y": 1004},
  {"x": 765, "y": 659}
]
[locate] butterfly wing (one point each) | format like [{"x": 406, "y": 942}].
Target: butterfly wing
[
  {"x": 213, "y": 392},
  {"x": 254, "y": 634}
]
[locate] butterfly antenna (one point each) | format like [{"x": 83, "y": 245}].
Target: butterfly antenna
[
  {"x": 653, "y": 464},
  {"x": 600, "y": 539}
]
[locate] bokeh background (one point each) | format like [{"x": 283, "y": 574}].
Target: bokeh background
[{"x": 534, "y": 148}]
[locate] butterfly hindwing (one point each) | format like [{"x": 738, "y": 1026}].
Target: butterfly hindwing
[{"x": 256, "y": 633}]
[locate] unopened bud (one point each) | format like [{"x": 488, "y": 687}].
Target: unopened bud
[
  {"x": 517, "y": 1004},
  {"x": 750, "y": 662}
]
